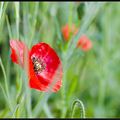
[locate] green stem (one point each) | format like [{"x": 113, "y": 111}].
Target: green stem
[
  {"x": 17, "y": 9},
  {"x": 34, "y": 24},
  {"x": 27, "y": 97},
  {"x": 70, "y": 14},
  {"x": 6, "y": 85},
  {"x": 1, "y": 9},
  {"x": 83, "y": 69},
  {"x": 63, "y": 93},
  {"x": 43, "y": 98},
  {"x": 82, "y": 109}
]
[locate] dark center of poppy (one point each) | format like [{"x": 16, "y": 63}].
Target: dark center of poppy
[{"x": 39, "y": 65}]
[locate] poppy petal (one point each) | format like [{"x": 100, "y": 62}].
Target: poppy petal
[
  {"x": 87, "y": 46},
  {"x": 66, "y": 32},
  {"x": 17, "y": 51},
  {"x": 84, "y": 43},
  {"x": 52, "y": 74}
]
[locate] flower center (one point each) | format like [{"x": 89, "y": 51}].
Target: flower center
[{"x": 39, "y": 65}]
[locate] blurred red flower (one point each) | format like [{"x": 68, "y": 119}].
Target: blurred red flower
[
  {"x": 44, "y": 65},
  {"x": 84, "y": 43},
  {"x": 67, "y": 31}
]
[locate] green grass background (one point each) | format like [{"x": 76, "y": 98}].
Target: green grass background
[{"x": 92, "y": 77}]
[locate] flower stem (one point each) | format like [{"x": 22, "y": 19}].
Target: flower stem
[
  {"x": 6, "y": 85},
  {"x": 17, "y": 9},
  {"x": 82, "y": 109}
]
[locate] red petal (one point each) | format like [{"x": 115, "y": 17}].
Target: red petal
[
  {"x": 74, "y": 30},
  {"x": 53, "y": 70},
  {"x": 84, "y": 43},
  {"x": 66, "y": 32},
  {"x": 87, "y": 46},
  {"x": 17, "y": 49}
]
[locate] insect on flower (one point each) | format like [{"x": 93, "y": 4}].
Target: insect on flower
[{"x": 44, "y": 65}]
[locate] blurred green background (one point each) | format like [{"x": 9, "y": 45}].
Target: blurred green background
[{"x": 92, "y": 77}]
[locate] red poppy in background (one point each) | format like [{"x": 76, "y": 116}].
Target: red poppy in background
[
  {"x": 67, "y": 31},
  {"x": 84, "y": 43},
  {"x": 44, "y": 65}
]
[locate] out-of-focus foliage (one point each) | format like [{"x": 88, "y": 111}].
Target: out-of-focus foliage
[{"x": 93, "y": 76}]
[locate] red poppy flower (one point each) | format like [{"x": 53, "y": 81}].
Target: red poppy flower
[
  {"x": 17, "y": 48},
  {"x": 67, "y": 31},
  {"x": 84, "y": 43},
  {"x": 44, "y": 66}
]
